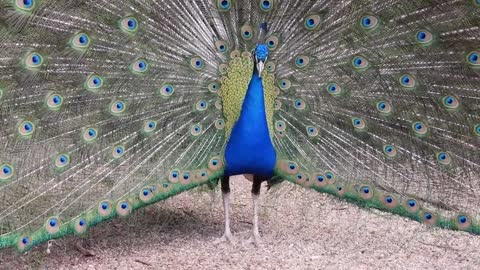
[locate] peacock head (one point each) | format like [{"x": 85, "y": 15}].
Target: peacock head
[{"x": 261, "y": 55}]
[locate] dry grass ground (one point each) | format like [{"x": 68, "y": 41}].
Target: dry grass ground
[{"x": 301, "y": 229}]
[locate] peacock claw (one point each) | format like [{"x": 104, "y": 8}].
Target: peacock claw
[
  {"x": 226, "y": 237},
  {"x": 255, "y": 239}
]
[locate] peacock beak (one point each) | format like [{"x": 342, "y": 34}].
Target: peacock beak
[{"x": 260, "y": 67}]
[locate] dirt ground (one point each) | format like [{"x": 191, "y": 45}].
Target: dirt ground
[{"x": 301, "y": 229}]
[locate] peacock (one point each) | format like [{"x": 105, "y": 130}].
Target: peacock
[{"x": 107, "y": 106}]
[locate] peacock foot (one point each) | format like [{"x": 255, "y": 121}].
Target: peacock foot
[
  {"x": 226, "y": 237},
  {"x": 255, "y": 239}
]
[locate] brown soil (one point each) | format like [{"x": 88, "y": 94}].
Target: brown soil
[{"x": 301, "y": 229}]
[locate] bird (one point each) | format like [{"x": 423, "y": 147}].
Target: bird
[{"x": 107, "y": 106}]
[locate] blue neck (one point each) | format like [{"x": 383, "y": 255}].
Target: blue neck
[{"x": 249, "y": 149}]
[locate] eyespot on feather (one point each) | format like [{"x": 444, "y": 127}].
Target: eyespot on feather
[
  {"x": 104, "y": 208},
  {"x": 118, "y": 151},
  {"x": 196, "y": 130},
  {"x": 80, "y": 225},
  {"x": 89, "y": 134},
  {"x": 288, "y": 167},
  {"x": 123, "y": 208},
  {"x": 26, "y": 128},
  {"x": 429, "y": 217},
  {"x": 52, "y": 225},
  {"x": 320, "y": 180},
  {"x": 360, "y": 63},
  {"x": 80, "y": 41},
  {"x": 6, "y": 171},
  {"x": 94, "y": 83},
  {"x": 25, "y": 6},
  {"x": 24, "y": 243},
  {"x": 174, "y": 176},
  {"x": 411, "y": 205},
  {"x": 139, "y": 66},
  {"x": 246, "y": 32},
  {"x": 128, "y": 25},
  {"x": 390, "y": 150},
  {"x": 33, "y": 61},
  {"x": 463, "y": 221},
  {"x": 224, "y": 5},
  {"x": 186, "y": 178},
  {"x": 266, "y": 5},
  {"x": 62, "y": 161},
  {"x": 369, "y": 22},
  {"x": 420, "y": 129},
  {"x": 221, "y": 46},
  {"x": 302, "y": 61},
  {"x": 117, "y": 107},
  {"x": 166, "y": 90},
  {"x": 215, "y": 164},
  {"x": 424, "y": 37},
  {"x": 389, "y": 201},
  {"x": 272, "y": 42},
  {"x": 312, "y": 22},
  {"x": 54, "y": 101},
  {"x": 149, "y": 126}
]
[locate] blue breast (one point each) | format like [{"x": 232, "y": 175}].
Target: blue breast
[{"x": 250, "y": 149}]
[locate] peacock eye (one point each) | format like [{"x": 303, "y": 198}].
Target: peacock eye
[
  {"x": 224, "y": 5},
  {"x": 299, "y": 104},
  {"x": 302, "y": 61},
  {"x": 247, "y": 32},
  {"x": 450, "y": 103},
  {"x": 62, "y": 161},
  {"x": 284, "y": 84},
  {"x": 54, "y": 101},
  {"x": 94, "y": 83},
  {"x": 149, "y": 126},
  {"x": 25, "y": 5},
  {"x": 312, "y": 131},
  {"x": 139, "y": 66},
  {"x": 334, "y": 89},
  {"x": 26, "y": 128},
  {"x": 197, "y": 63},
  {"x": 407, "y": 81},
  {"x": 90, "y": 134},
  {"x": 118, "y": 151},
  {"x": 201, "y": 105},
  {"x": 219, "y": 124},
  {"x": 360, "y": 63},
  {"x": 33, "y": 61},
  {"x": 80, "y": 41},
  {"x": 196, "y": 130},
  {"x": 6, "y": 171},
  {"x": 384, "y": 107},
  {"x": 272, "y": 42},
  {"x": 312, "y": 22},
  {"x": 129, "y": 25},
  {"x": 117, "y": 107},
  {"x": 221, "y": 46},
  {"x": 473, "y": 58},
  {"x": 444, "y": 158},
  {"x": 266, "y": 5},
  {"x": 369, "y": 22},
  {"x": 424, "y": 37},
  {"x": 358, "y": 123},
  {"x": 166, "y": 90},
  {"x": 420, "y": 128}
]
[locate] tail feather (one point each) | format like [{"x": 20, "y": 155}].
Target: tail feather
[{"x": 107, "y": 106}]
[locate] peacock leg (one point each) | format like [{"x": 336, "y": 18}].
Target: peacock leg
[
  {"x": 225, "y": 185},
  {"x": 257, "y": 182}
]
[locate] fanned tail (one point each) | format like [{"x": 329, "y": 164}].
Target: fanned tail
[{"x": 379, "y": 105}]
